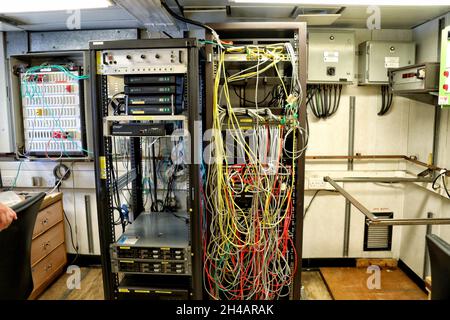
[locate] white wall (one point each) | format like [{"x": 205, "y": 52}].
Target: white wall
[
  {"x": 406, "y": 130},
  {"x": 324, "y": 222},
  {"x": 418, "y": 201}
]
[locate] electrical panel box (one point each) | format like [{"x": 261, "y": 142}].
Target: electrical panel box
[
  {"x": 376, "y": 57},
  {"x": 331, "y": 57},
  {"x": 444, "y": 78}
]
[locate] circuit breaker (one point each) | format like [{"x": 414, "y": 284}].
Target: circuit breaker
[
  {"x": 444, "y": 79},
  {"x": 376, "y": 57},
  {"x": 331, "y": 57}
]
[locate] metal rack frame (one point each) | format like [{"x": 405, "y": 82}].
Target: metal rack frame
[
  {"x": 271, "y": 31},
  {"x": 103, "y": 159}
]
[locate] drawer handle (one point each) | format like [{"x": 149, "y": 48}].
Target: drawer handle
[
  {"x": 48, "y": 267},
  {"x": 45, "y": 221},
  {"x": 46, "y": 245}
]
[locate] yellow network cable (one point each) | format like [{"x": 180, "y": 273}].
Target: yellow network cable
[{"x": 247, "y": 255}]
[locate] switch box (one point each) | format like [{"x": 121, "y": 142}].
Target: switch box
[
  {"x": 419, "y": 78},
  {"x": 331, "y": 57},
  {"x": 376, "y": 57},
  {"x": 444, "y": 78}
]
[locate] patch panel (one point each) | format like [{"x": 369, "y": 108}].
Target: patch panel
[{"x": 52, "y": 113}]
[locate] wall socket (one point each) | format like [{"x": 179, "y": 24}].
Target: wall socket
[
  {"x": 7, "y": 181},
  {"x": 317, "y": 183}
]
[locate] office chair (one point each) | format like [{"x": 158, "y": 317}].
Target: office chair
[
  {"x": 439, "y": 251},
  {"x": 16, "y": 282}
]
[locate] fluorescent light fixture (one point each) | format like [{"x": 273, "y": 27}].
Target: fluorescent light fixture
[
  {"x": 409, "y": 3},
  {"x": 17, "y": 6}
]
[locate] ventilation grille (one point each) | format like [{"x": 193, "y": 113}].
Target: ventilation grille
[{"x": 378, "y": 238}]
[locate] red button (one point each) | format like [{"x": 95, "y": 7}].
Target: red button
[
  {"x": 446, "y": 74},
  {"x": 445, "y": 86}
]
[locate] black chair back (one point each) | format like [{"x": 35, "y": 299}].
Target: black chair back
[
  {"x": 439, "y": 251},
  {"x": 16, "y": 282}
]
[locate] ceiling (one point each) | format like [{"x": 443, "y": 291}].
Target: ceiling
[{"x": 392, "y": 17}]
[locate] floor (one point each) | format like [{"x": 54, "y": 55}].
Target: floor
[
  {"x": 91, "y": 287},
  {"x": 341, "y": 284},
  {"x": 359, "y": 284}
]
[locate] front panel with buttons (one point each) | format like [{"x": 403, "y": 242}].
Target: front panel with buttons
[{"x": 142, "y": 61}]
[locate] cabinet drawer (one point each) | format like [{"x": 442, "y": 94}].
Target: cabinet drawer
[
  {"x": 47, "y": 242},
  {"x": 47, "y": 218},
  {"x": 45, "y": 268}
]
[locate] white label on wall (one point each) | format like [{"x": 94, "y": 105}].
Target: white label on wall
[
  {"x": 391, "y": 62},
  {"x": 443, "y": 100},
  {"x": 331, "y": 56},
  {"x": 128, "y": 240}
]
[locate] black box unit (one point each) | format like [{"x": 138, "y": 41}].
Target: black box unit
[
  {"x": 142, "y": 129},
  {"x": 168, "y": 89},
  {"x": 151, "y": 79},
  {"x": 153, "y": 110},
  {"x": 150, "y": 287},
  {"x": 159, "y": 99}
]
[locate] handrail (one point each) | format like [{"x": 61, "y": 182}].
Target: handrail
[{"x": 371, "y": 218}]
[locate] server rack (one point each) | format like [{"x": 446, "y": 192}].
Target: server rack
[
  {"x": 104, "y": 161},
  {"x": 254, "y": 33}
]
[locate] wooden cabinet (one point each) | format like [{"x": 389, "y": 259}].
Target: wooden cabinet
[{"x": 48, "y": 249}]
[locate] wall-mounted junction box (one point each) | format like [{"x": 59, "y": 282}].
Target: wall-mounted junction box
[
  {"x": 376, "y": 57},
  {"x": 331, "y": 57},
  {"x": 444, "y": 79}
]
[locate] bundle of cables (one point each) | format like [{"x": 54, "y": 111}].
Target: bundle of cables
[
  {"x": 247, "y": 228},
  {"x": 386, "y": 100},
  {"x": 442, "y": 175},
  {"x": 324, "y": 99}
]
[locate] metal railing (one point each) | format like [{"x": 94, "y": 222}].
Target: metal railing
[{"x": 371, "y": 218}]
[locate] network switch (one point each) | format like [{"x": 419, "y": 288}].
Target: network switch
[
  {"x": 168, "y": 89},
  {"x": 140, "y": 100},
  {"x": 151, "y": 110},
  {"x": 150, "y": 79},
  {"x": 142, "y": 129}
]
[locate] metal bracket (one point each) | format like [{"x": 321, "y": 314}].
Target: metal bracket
[
  {"x": 126, "y": 179},
  {"x": 371, "y": 218}
]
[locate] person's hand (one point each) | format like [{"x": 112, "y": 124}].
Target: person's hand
[{"x": 7, "y": 215}]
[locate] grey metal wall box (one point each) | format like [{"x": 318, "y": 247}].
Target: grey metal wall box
[
  {"x": 376, "y": 57},
  {"x": 331, "y": 57}
]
